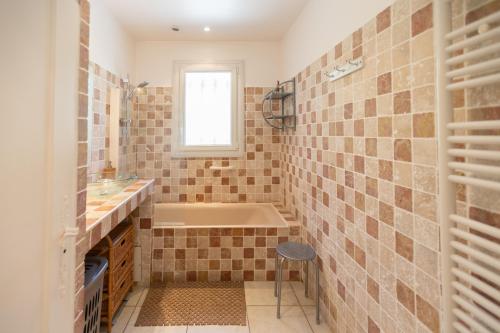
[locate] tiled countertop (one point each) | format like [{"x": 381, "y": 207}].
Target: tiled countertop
[{"x": 104, "y": 215}]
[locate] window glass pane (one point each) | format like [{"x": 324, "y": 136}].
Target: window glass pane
[{"x": 207, "y": 108}]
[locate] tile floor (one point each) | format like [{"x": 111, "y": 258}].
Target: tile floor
[{"x": 297, "y": 313}]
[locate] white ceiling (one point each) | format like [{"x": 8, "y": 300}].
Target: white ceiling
[{"x": 229, "y": 20}]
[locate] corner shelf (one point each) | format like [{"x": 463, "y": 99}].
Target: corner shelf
[
  {"x": 284, "y": 94},
  {"x": 278, "y": 95}
]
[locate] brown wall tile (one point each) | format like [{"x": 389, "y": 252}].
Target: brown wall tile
[
  {"x": 421, "y": 20},
  {"x": 402, "y": 150},
  {"x": 406, "y": 296},
  {"x": 384, "y": 19},
  {"x": 404, "y": 246},
  {"x": 384, "y": 83},
  {"x": 428, "y": 315}
]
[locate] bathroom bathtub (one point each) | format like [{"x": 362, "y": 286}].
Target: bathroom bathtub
[
  {"x": 220, "y": 242},
  {"x": 218, "y": 215}
]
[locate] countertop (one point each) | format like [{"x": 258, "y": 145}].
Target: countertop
[{"x": 103, "y": 215}]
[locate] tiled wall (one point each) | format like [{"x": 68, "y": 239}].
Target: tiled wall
[
  {"x": 254, "y": 178},
  {"x": 142, "y": 218},
  {"x": 82, "y": 162},
  {"x": 360, "y": 174},
  {"x": 220, "y": 254}
]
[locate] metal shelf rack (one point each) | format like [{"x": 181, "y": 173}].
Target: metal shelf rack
[{"x": 278, "y": 106}]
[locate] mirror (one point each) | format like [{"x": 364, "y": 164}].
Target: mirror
[{"x": 112, "y": 129}]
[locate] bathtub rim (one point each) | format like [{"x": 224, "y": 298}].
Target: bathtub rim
[{"x": 285, "y": 223}]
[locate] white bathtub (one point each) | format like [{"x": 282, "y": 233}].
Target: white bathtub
[{"x": 217, "y": 215}]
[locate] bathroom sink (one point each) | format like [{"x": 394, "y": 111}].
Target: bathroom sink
[{"x": 105, "y": 189}]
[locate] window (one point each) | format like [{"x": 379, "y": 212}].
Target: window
[{"x": 208, "y": 110}]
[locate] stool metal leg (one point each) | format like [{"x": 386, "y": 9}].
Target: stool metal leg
[
  {"x": 306, "y": 279},
  {"x": 280, "y": 276},
  {"x": 317, "y": 293},
  {"x": 276, "y": 276}
]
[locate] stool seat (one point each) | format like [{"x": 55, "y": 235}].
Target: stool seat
[{"x": 296, "y": 251}]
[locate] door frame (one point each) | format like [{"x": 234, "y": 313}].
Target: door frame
[{"x": 62, "y": 144}]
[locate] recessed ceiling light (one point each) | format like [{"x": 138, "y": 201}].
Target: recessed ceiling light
[{"x": 206, "y": 29}]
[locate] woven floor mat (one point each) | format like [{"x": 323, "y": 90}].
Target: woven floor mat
[{"x": 194, "y": 303}]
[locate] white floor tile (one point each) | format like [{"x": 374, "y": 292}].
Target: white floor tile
[
  {"x": 157, "y": 329},
  {"x": 218, "y": 329},
  {"x": 134, "y": 296},
  {"x": 311, "y": 318},
  {"x": 143, "y": 297},
  {"x": 263, "y": 319},
  {"x": 121, "y": 320},
  {"x": 298, "y": 288},
  {"x": 262, "y": 293}
]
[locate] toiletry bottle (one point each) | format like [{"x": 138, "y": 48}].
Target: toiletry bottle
[{"x": 109, "y": 172}]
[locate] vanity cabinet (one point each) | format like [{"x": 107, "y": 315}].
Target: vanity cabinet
[{"x": 117, "y": 247}]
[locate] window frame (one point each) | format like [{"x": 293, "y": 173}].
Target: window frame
[{"x": 237, "y": 148}]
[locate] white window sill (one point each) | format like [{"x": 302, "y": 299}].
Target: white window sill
[{"x": 207, "y": 153}]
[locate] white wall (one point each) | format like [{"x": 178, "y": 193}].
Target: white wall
[
  {"x": 23, "y": 163},
  {"x": 321, "y": 25},
  {"x": 154, "y": 60},
  {"x": 110, "y": 45},
  {"x": 38, "y": 101}
]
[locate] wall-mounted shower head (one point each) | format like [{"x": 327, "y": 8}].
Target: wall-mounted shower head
[{"x": 132, "y": 92}]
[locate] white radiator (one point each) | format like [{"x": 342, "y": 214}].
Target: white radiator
[{"x": 467, "y": 57}]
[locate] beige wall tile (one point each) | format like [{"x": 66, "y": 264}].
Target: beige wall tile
[{"x": 422, "y": 46}]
